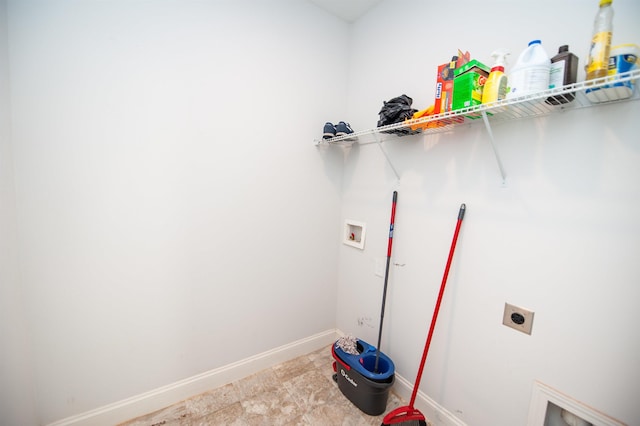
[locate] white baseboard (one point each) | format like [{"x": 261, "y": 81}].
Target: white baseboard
[
  {"x": 157, "y": 399},
  {"x": 434, "y": 412}
]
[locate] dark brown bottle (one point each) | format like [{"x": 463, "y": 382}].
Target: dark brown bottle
[{"x": 564, "y": 70}]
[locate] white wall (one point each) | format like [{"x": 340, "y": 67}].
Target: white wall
[
  {"x": 16, "y": 392},
  {"x": 562, "y": 238},
  {"x": 174, "y": 213}
]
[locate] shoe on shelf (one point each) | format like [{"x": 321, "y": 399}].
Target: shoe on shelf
[
  {"x": 343, "y": 129},
  {"x": 329, "y": 131}
]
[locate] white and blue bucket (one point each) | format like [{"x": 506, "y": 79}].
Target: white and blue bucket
[{"x": 623, "y": 59}]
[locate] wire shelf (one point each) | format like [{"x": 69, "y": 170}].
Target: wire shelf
[{"x": 570, "y": 97}]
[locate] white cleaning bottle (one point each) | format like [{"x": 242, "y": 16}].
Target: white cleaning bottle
[
  {"x": 495, "y": 88},
  {"x": 530, "y": 74}
]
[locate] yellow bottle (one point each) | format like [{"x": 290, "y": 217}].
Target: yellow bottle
[
  {"x": 598, "y": 60},
  {"x": 495, "y": 88}
]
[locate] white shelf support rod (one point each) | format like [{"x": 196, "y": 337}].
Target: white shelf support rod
[
  {"x": 379, "y": 143},
  {"x": 493, "y": 146}
]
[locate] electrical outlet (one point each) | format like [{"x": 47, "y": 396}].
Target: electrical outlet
[
  {"x": 518, "y": 318},
  {"x": 365, "y": 322}
]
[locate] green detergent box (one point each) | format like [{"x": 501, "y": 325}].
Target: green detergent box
[{"x": 468, "y": 82}]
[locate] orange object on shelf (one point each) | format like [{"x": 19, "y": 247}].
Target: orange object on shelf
[{"x": 415, "y": 123}]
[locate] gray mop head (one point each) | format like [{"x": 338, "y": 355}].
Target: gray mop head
[{"x": 349, "y": 344}]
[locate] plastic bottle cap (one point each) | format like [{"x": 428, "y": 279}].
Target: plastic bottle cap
[
  {"x": 605, "y": 2},
  {"x": 534, "y": 42}
]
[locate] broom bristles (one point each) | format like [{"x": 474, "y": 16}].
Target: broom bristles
[
  {"x": 407, "y": 423},
  {"x": 404, "y": 416}
]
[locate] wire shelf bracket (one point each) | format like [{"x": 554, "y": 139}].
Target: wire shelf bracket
[
  {"x": 487, "y": 125},
  {"x": 386, "y": 156}
]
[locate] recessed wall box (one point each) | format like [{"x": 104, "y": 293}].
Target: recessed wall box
[
  {"x": 549, "y": 407},
  {"x": 354, "y": 233}
]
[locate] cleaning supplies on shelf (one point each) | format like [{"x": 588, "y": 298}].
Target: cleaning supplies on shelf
[
  {"x": 530, "y": 74},
  {"x": 495, "y": 88},
  {"x": 444, "y": 81},
  {"x": 468, "y": 85},
  {"x": 564, "y": 71},
  {"x": 598, "y": 60},
  {"x": 624, "y": 59}
]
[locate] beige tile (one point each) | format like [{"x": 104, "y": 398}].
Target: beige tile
[
  {"x": 323, "y": 363},
  {"x": 257, "y": 383},
  {"x": 312, "y": 389},
  {"x": 275, "y": 407},
  {"x": 298, "y": 421},
  {"x": 321, "y": 357},
  {"x": 300, "y": 392},
  {"x": 212, "y": 401},
  {"x": 327, "y": 373},
  {"x": 293, "y": 368},
  {"x": 169, "y": 415},
  {"x": 335, "y": 414},
  {"x": 231, "y": 415}
]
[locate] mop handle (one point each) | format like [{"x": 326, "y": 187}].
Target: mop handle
[
  {"x": 437, "y": 308},
  {"x": 386, "y": 276}
]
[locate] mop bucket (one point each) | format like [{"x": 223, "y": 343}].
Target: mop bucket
[{"x": 367, "y": 390}]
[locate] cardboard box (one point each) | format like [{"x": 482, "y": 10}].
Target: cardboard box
[
  {"x": 444, "y": 88},
  {"x": 445, "y": 83},
  {"x": 469, "y": 81}
]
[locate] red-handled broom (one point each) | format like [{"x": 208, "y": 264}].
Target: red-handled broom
[{"x": 409, "y": 415}]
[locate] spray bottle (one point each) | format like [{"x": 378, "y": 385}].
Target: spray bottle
[{"x": 495, "y": 88}]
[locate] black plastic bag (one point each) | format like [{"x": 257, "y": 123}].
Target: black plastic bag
[{"x": 397, "y": 110}]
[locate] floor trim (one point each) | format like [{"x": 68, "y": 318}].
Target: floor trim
[
  {"x": 436, "y": 413},
  {"x": 162, "y": 397}
]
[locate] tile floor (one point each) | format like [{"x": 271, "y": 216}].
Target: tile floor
[{"x": 297, "y": 392}]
